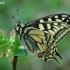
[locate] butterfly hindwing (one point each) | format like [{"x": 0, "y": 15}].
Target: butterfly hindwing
[{"x": 41, "y": 42}]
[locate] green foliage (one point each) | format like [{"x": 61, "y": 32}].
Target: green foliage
[{"x": 10, "y": 46}]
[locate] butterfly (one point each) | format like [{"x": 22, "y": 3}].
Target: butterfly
[{"x": 42, "y": 35}]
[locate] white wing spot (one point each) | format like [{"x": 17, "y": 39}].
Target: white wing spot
[
  {"x": 52, "y": 32},
  {"x": 56, "y": 16},
  {"x": 49, "y": 19},
  {"x": 67, "y": 20},
  {"x": 41, "y": 27},
  {"x": 58, "y": 28},
  {"x": 63, "y": 18},
  {"x": 48, "y": 26},
  {"x": 55, "y": 30},
  {"x": 61, "y": 27},
  {"x": 64, "y": 25},
  {"x": 41, "y": 20},
  {"x": 58, "y": 20},
  {"x": 55, "y": 23},
  {"x": 69, "y": 17}
]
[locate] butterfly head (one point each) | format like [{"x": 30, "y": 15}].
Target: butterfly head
[
  {"x": 18, "y": 23},
  {"x": 18, "y": 27}
]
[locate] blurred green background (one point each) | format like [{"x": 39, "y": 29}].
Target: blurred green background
[{"x": 30, "y": 10}]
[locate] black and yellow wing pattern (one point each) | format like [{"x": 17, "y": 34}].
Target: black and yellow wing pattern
[{"x": 43, "y": 34}]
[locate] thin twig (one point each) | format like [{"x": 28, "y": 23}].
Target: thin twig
[{"x": 14, "y": 63}]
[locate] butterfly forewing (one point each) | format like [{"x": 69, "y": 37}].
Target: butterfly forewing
[{"x": 57, "y": 25}]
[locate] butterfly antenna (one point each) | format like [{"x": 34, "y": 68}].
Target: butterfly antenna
[
  {"x": 15, "y": 18},
  {"x": 18, "y": 14}
]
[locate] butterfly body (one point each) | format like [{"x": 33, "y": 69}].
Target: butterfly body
[{"x": 43, "y": 34}]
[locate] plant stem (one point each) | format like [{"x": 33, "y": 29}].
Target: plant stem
[{"x": 14, "y": 63}]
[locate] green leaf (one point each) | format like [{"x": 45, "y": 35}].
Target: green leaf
[
  {"x": 17, "y": 51},
  {"x": 21, "y": 52},
  {"x": 1, "y": 37},
  {"x": 11, "y": 46},
  {"x": 4, "y": 43},
  {"x": 16, "y": 45}
]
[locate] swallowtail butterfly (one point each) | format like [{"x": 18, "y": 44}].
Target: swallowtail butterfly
[{"x": 43, "y": 34}]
